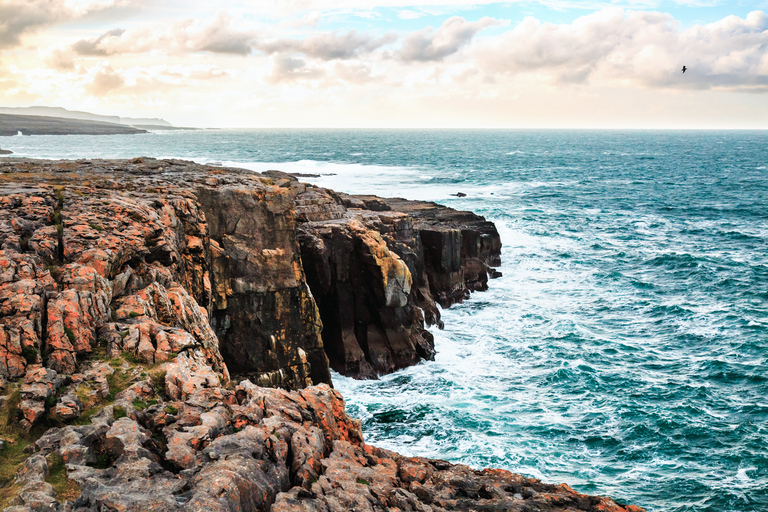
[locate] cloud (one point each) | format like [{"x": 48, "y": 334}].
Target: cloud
[
  {"x": 634, "y": 48},
  {"x": 328, "y": 45},
  {"x": 287, "y": 69},
  {"x": 20, "y": 17},
  {"x": 219, "y": 37},
  {"x": 97, "y": 46},
  {"x": 58, "y": 58},
  {"x": 408, "y": 14},
  {"x": 435, "y": 45},
  {"x": 105, "y": 81},
  {"x": 187, "y": 36},
  {"x": 357, "y": 73}
]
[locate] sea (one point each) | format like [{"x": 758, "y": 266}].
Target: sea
[{"x": 624, "y": 350}]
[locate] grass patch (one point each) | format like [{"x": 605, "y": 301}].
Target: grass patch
[
  {"x": 158, "y": 382},
  {"x": 134, "y": 314},
  {"x": 169, "y": 409},
  {"x": 363, "y": 481},
  {"x": 70, "y": 334},
  {"x": 139, "y": 405},
  {"x": 118, "y": 381},
  {"x": 131, "y": 358},
  {"x": 12, "y": 456},
  {"x": 29, "y": 353},
  {"x": 95, "y": 226},
  {"x": 65, "y": 488},
  {"x": 119, "y": 412}
]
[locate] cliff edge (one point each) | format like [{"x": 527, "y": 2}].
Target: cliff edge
[{"x": 132, "y": 292}]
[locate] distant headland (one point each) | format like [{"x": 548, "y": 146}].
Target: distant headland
[{"x": 60, "y": 121}]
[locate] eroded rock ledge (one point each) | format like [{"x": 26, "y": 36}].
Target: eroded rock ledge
[{"x": 130, "y": 291}]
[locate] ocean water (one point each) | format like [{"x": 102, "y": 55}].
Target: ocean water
[{"x": 624, "y": 350}]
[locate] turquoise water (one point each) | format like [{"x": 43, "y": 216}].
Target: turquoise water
[{"x": 624, "y": 350}]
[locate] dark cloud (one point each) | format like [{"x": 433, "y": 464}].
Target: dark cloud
[
  {"x": 435, "y": 45},
  {"x": 328, "y": 45},
  {"x": 18, "y": 17},
  {"x": 220, "y": 37},
  {"x": 291, "y": 69},
  {"x": 97, "y": 47},
  {"x": 187, "y": 36}
]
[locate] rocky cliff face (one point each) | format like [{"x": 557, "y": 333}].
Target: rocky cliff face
[{"x": 131, "y": 292}]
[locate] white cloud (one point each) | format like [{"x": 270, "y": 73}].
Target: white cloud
[
  {"x": 408, "y": 14},
  {"x": 634, "y": 49}
]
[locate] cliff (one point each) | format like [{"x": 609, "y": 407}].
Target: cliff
[{"x": 131, "y": 293}]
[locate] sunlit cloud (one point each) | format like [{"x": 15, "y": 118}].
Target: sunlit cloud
[
  {"x": 634, "y": 48},
  {"x": 384, "y": 62}
]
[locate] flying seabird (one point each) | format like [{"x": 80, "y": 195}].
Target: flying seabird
[{"x": 684, "y": 68}]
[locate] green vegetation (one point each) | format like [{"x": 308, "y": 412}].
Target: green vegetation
[
  {"x": 363, "y": 481},
  {"x": 65, "y": 488},
  {"x": 131, "y": 358},
  {"x": 134, "y": 314},
  {"x": 70, "y": 334},
  {"x": 29, "y": 353},
  {"x": 118, "y": 381},
  {"x": 15, "y": 441},
  {"x": 158, "y": 382},
  {"x": 169, "y": 409},
  {"x": 95, "y": 226}
]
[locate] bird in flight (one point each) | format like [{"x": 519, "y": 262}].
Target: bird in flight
[{"x": 684, "y": 69}]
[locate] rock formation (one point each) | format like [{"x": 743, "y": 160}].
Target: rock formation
[{"x": 132, "y": 291}]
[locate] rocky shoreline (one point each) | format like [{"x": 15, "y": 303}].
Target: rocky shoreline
[{"x": 168, "y": 328}]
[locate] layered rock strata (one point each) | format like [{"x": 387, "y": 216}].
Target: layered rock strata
[
  {"x": 129, "y": 290},
  {"x": 106, "y": 247}
]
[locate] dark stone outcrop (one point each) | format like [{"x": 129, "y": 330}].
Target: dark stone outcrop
[
  {"x": 376, "y": 268},
  {"x": 130, "y": 289},
  {"x": 6, "y": 152},
  {"x": 288, "y": 275}
]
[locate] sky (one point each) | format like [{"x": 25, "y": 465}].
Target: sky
[{"x": 393, "y": 63}]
